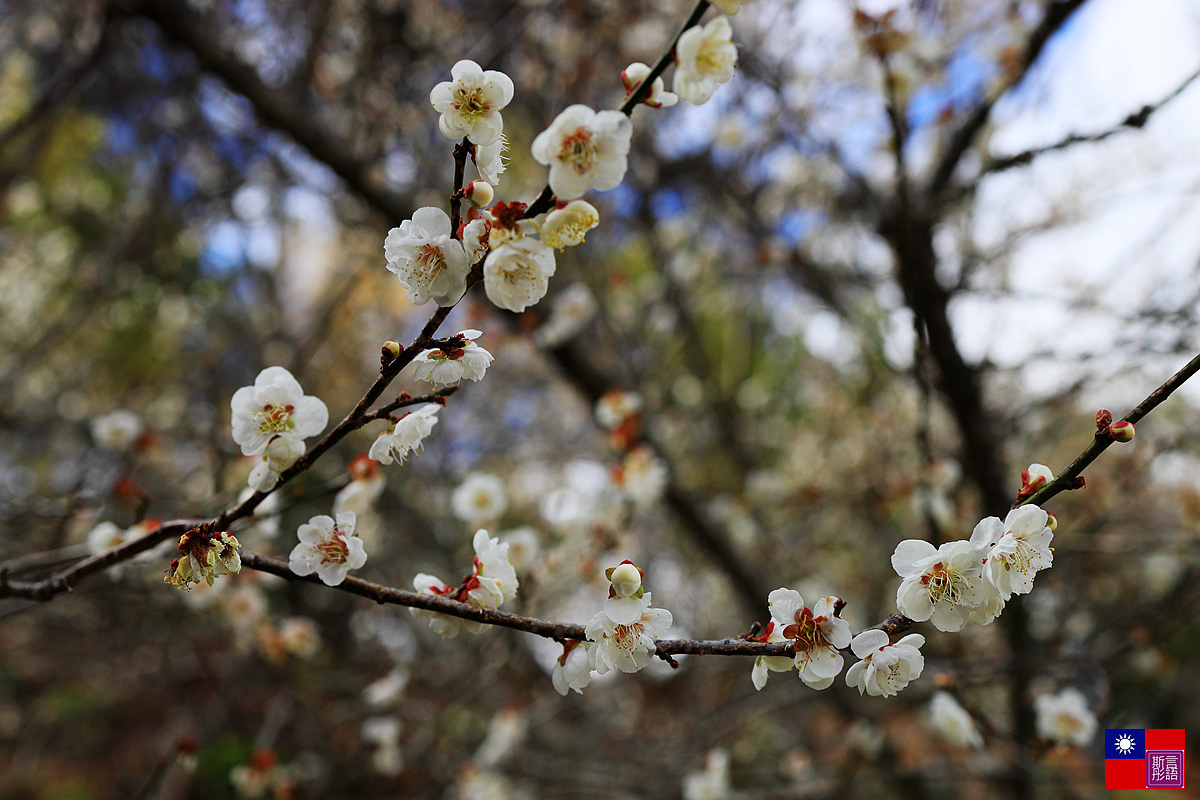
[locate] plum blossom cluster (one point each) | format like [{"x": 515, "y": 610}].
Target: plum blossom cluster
[
  {"x": 206, "y": 556},
  {"x": 271, "y": 419},
  {"x": 621, "y": 636},
  {"x": 404, "y": 436},
  {"x": 460, "y": 359},
  {"x": 492, "y": 583}
]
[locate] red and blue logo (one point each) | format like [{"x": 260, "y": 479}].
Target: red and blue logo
[{"x": 1137, "y": 758}]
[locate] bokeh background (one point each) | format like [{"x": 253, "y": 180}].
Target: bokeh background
[{"x": 909, "y": 250}]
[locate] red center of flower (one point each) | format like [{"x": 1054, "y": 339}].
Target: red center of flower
[
  {"x": 334, "y": 549},
  {"x": 804, "y": 632}
]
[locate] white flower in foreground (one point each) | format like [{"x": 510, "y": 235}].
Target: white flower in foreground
[
  {"x": 658, "y": 97},
  {"x": 817, "y": 635},
  {"x": 442, "y": 624},
  {"x": 117, "y": 430},
  {"x": 1023, "y": 549},
  {"x": 953, "y": 722},
  {"x": 1034, "y": 478},
  {"x": 470, "y": 103},
  {"x": 495, "y": 581},
  {"x": 451, "y": 365},
  {"x": 704, "y": 57},
  {"x": 572, "y": 670},
  {"x": 946, "y": 583},
  {"x": 1065, "y": 717},
  {"x": 626, "y": 647},
  {"x": 328, "y": 547},
  {"x": 490, "y": 160},
  {"x": 571, "y": 309},
  {"x": 584, "y": 150},
  {"x": 566, "y": 226},
  {"x": 404, "y": 436},
  {"x": 282, "y": 451},
  {"x": 730, "y": 7},
  {"x": 274, "y": 405},
  {"x": 885, "y": 668},
  {"x": 430, "y": 263},
  {"x": 479, "y": 498},
  {"x": 517, "y": 273}
]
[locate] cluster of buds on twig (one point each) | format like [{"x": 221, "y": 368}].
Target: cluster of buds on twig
[{"x": 1119, "y": 431}]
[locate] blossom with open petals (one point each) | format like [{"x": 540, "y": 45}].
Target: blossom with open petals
[
  {"x": 430, "y": 263},
  {"x": 404, "y": 436},
  {"x": 1021, "y": 551},
  {"x": 495, "y": 581},
  {"x": 273, "y": 406},
  {"x": 704, "y": 57},
  {"x": 627, "y": 647},
  {"x": 885, "y": 668},
  {"x": 449, "y": 365},
  {"x": 517, "y": 273},
  {"x": 566, "y": 226},
  {"x": 479, "y": 498},
  {"x": 491, "y": 161},
  {"x": 817, "y": 635},
  {"x": 328, "y": 547},
  {"x": 442, "y": 624},
  {"x": 1065, "y": 717},
  {"x": 585, "y": 150},
  {"x": 117, "y": 430},
  {"x": 470, "y": 103},
  {"x": 282, "y": 451},
  {"x": 943, "y": 584}
]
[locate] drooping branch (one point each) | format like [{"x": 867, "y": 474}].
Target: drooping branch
[{"x": 1134, "y": 121}]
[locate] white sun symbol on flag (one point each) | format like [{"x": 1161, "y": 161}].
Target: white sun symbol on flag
[{"x": 1126, "y": 744}]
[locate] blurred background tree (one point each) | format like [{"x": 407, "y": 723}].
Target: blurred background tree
[{"x": 909, "y": 250}]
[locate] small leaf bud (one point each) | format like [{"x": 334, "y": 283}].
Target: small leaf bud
[
  {"x": 1121, "y": 431},
  {"x": 479, "y": 193}
]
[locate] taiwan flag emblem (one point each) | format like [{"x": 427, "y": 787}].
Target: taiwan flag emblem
[{"x": 1136, "y": 758}]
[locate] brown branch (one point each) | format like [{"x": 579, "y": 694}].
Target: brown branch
[
  {"x": 1067, "y": 479},
  {"x": 1137, "y": 120},
  {"x": 964, "y": 137}
]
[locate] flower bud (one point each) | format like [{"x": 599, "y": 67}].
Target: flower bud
[
  {"x": 1103, "y": 419},
  {"x": 1121, "y": 431},
  {"x": 626, "y": 579},
  {"x": 1035, "y": 477},
  {"x": 479, "y": 193},
  {"x": 1051, "y": 521},
  {"x": 391, "y": 349}
]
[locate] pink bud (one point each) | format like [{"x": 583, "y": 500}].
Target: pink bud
[{"x": 1121, "y": 431}]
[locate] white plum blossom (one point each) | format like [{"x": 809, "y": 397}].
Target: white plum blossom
[
  {"x": 479, "y": 498},
  {"x": 450, "y": 365},
  {"x": 442, "y": 624},
  {"x": 658, "y": 97},
  {"x": 430, "y": 263},
  {"x": 624, "y": 604},
  {"x": 404, "y": 436},
  {"x": 282, "y": 451},
  {"x": 517, "y": 273},
  {"x": 943, "y": 584},
  {"x": 495, "y": 581},
  {"x": 523, "y": 546},
  {"x": 816, "y": 635},
  {"x": 627, "y": 647},
  {"x": 953, "y": 722},
  {"x": 328, "y": 547},
  {"x": 584, "y": 150},
  {"x": 476, "y": 238},
  {"x": 572, "y": 670},
  {"x": 1065, "y": 717},
  {"x": 470, "y": 103},
  {"x": 570, "y": 310},
  {"x": 566, "y": 226},
  {"x": 117, "y": 430},
  {"x": 273, "y": 406},
  {"x": 1022, "y": 550},
  {"x": 704, "y": 57},
  {"x": 1034, "y": 478},
  {"x": 764, "y": 665},
  {"x": 885, "y": 668},
  {"x": 490, "y": 160},
  {"x": 104, "y": 536}
]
